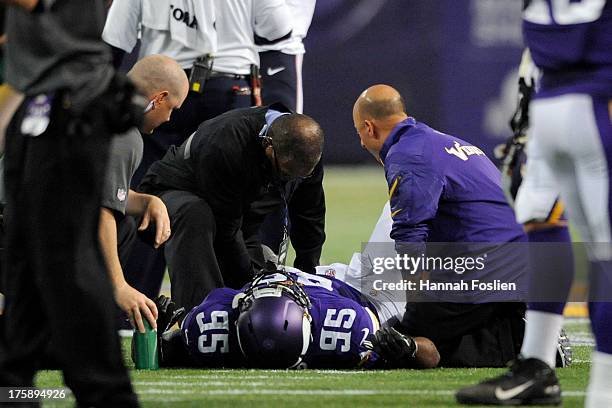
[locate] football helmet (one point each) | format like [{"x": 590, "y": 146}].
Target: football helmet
[{"x": 274, "y": 325}]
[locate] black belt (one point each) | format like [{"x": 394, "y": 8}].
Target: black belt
[{"x": 216, "y": 74}]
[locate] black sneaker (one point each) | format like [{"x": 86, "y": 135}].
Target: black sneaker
[{"x": 529, "y": 382}]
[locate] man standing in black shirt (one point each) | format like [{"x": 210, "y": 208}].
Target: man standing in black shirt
[
  {"x": 57, "y": 288},
  {"x": 209, "y": 183}
]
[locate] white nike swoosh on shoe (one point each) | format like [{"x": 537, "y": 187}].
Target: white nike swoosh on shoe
[
  {"x": 503, "y": 395},
  {"x": 273, "y": 71}
]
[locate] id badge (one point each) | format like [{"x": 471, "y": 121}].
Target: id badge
[
  {"x": 283, "y": 248},
  {"x": 37, "y": 115}
]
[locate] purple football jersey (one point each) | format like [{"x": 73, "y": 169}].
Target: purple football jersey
[
  {"x": 570, "y": 40},
  {"x": 341, "y": 320},
  {"x": 209, "y": 331},
  {"x": 340, "y": 324},
  {"x": 339, "y": 327}
]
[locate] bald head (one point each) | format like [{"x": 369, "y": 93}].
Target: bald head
[
  {"x": 158, "y": 73},
  {"x": 298, "y": 143},
  {"x": 380, "y": 102},
  {"x": 162, "y": 80},
  {"x": 375, "y": 113}
]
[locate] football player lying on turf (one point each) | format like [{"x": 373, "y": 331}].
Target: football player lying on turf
[
  {"x": 288, "y": 319},
  {"x": 341, "y": 319}
]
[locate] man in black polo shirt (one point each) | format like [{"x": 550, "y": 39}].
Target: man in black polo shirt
[{"x": 209, "y": 183}]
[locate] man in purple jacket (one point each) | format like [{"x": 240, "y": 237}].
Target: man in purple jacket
[{"x": 446, "y": 199}]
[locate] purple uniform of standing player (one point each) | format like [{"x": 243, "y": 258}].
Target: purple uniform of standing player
[
  {"x": 341, "y": 321},
  {"x": 571, "y": 134}
]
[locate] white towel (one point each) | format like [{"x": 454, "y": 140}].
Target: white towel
[{"x": 190, "y": 22}]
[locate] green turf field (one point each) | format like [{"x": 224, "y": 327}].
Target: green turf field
[
  {"x": 315, "y": 388},
  {"x": 354, "y": 198}
]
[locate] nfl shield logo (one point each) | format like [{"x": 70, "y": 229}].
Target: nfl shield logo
[
  {"x": 121, "y": 194},
  {"x": 331, "y": 273}
]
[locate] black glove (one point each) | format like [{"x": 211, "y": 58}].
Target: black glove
[
  {"x": 520, "y": 119},
  {"x": 395, "y": 348},
  {"x": 512, "y": 154},
  {"x": 167, "y": 314}
]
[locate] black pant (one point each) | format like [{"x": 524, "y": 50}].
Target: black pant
[
  {"x": 192, "y": 250},
  {"x": 57, "y": 287},
  {"x": 468, "y": 335},
  {"x": 145, "y": 267},
  {"x": 279, "y": 77}
]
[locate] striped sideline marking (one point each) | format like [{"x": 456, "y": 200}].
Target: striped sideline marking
[{"x": 347, "y": 392}]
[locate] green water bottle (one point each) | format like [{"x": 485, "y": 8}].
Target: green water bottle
[{"x": 145, "y": 348}]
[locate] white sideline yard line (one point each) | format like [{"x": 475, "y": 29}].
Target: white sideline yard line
[
  {"x": 334, "y": 372},
  {"x": 240, "y": 378},
  {"x": 345, "y": 392},
  {"x": 236, "y": 376},
  {"x": 203, "y": 384},
  {"x": 239, "y": 375}
]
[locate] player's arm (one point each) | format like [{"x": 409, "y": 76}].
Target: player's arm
[
  {"x": 427, "y": 355},
  {"x": 397, "y": 350},
  {"x": 131, "y": 301},
  {"x": 151, "y": 209}
]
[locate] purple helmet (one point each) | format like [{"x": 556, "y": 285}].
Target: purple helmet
[{"x": 274, "y": 323}]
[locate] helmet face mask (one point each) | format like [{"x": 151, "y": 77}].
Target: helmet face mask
[{"x": 274, "y": 326}]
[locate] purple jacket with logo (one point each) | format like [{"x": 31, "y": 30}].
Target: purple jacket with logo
[{"x": 443, "y": 189}]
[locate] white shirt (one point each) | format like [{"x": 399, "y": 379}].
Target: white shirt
[
  {"x": 165, "y": 27},
  {"x": 302, "y": 12},
  {"x": 237, "y": 20}
]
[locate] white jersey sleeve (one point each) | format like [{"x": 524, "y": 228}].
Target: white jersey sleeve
[
  {"x": 122, "y": 22},
  {"x": 272, "y": 19},
  {"x": 302, "y": 12}
]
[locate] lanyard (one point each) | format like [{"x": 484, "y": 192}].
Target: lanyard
[{"x": 283, "y": 248}]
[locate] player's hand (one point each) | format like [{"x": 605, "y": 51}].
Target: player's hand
[
  {"x": 137, "y": 306},
  {"x": 156, "y": 211},
  {"x": 169, "y": 313},
  {"x": 393, "y": 346}
]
